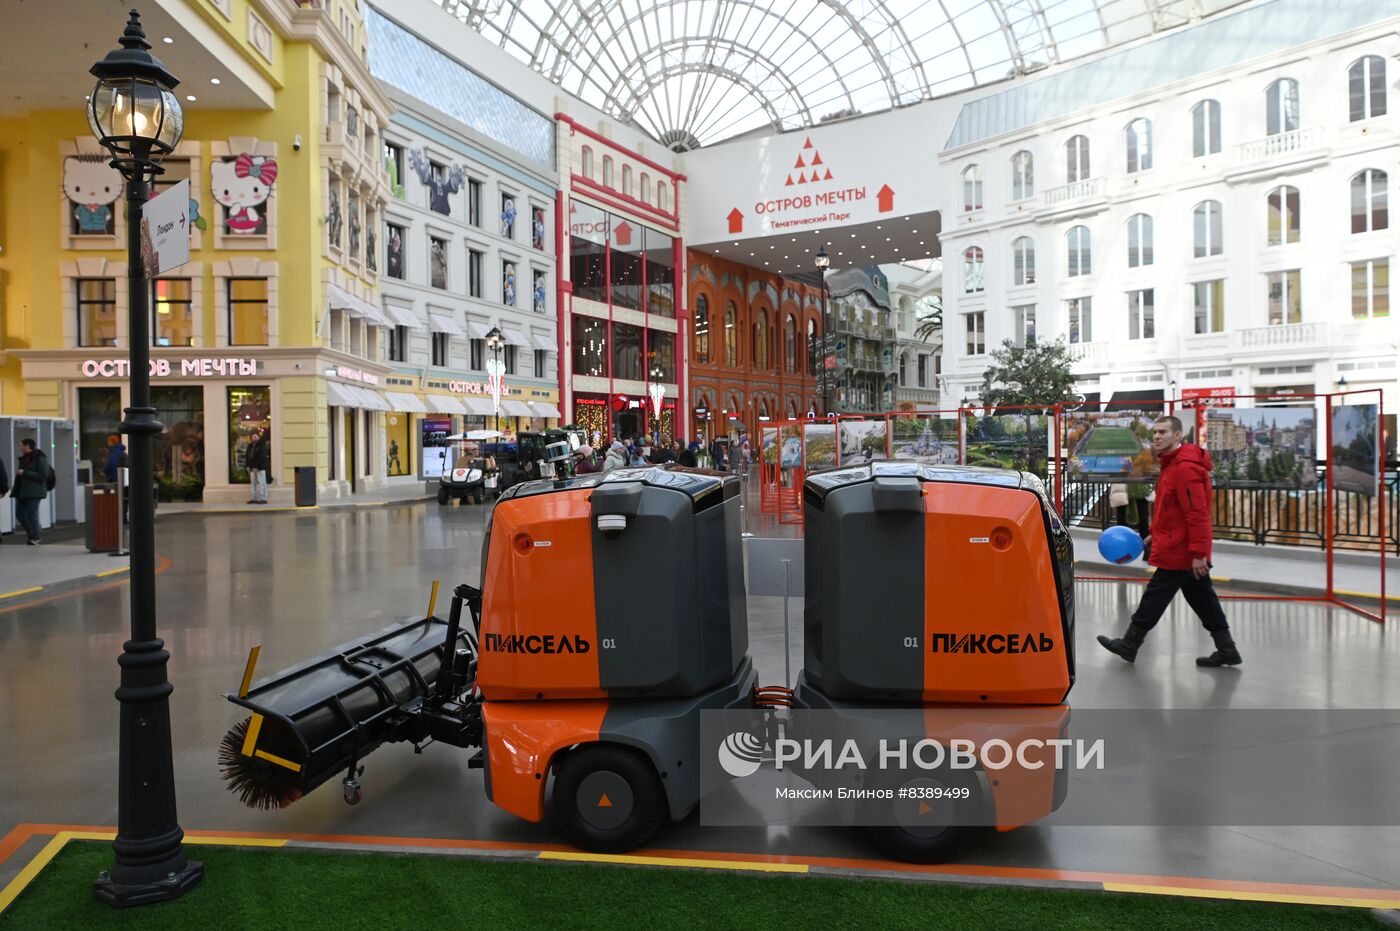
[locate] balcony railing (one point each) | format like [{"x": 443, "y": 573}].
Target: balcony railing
[
  {"x": 1084, "y": 352},
  {"x": 1088, "y": 189},
  {"x": 1282, "y": 144},
  {"x": 1282, "y": 335}
]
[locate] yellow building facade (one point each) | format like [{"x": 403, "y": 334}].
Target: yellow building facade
[{"x": 275, "y": 322}]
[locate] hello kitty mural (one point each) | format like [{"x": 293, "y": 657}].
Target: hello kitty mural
[
  {"x": 92, "y": 186},
  {"x": 242, "y": 185}
]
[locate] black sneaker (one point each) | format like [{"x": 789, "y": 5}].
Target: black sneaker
[
  {"x": 1230, "y": 657},
  {"x": 32, "y": 543}
]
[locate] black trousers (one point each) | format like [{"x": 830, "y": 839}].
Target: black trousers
[{"x": 1200, "y": 595}]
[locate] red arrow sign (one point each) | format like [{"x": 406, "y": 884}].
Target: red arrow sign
[
  {"x": 736, "y": 221},
  {"x": 886, "y": 198},
  {"x": 623, "y": 234}
]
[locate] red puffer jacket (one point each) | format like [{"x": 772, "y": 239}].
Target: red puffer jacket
[{"x": 1181, "y": 519}]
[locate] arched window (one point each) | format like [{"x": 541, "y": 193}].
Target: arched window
[
  {"x": 702, "y": 329},
  {"x": 761, "y": 351},
  {"x": 1023, "y": 261},
  {"x": 731, "y": 335},
  {"x": 1208, "y": 224},
  {"x": 1077, "y": 159},
  {"x": 904, "y": 368},
  {"x": 588, "y": 162},
  {"x": 607, "y": 171},
  {"x": 646, "y": 188},
  {"x": 972, "y": 188},
  {"x": 1079, "y": 250},
  {"x": 1205, "y": 128},
  {"x": 790, "y": 342},
  {"x": 809, "y": 349},
  {"x": 1285, "y": 215},
  {"x": 1139, "y": 240},
  {"x": 1281, "y": 100},
  {"x": 1368, "y": 201},
  {"x": 1366, "y": 87},
  {"x": 1139, "y": 139},
  {"x": 627, "y": 180},
  {"x": 662, "y": 195},
  {"x": 974, "y": 270},
  {"x": 1022, "y": 175}
]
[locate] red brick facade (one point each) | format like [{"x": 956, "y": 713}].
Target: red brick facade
[{"x": 755, "y": 367}]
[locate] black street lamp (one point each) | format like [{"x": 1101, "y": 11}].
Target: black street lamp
[
  {"x": 496, "y": 340},
  {"x": 823, "y": 263},
  {"x": 135, "y": 115}
]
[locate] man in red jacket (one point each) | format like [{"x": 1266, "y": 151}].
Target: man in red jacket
[{"x": 1180, "y": 549}]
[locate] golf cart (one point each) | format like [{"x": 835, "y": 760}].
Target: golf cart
[{"x": 468, "y": 477}]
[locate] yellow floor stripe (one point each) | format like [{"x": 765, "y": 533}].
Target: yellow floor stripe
[
  {"x": 1252, "y": 896},
  {"x": 31, "y": 869},
  {"x": 103, "y": 575},
  {"x": 22, "y": 591},
  {"x": 580, "y": 857},
  {"x": 237, "y": 841},
  {"x": 1371, "y": 595}
]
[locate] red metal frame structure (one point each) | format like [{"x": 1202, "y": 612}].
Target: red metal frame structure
[{"x": 782, "y": 494}]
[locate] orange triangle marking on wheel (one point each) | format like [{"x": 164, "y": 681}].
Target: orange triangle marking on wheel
[
  {"x": 605, "y": 802},
  {"x": 924, "y": 807}
]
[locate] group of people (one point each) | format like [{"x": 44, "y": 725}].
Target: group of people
[{"x": 635, "y": 451}]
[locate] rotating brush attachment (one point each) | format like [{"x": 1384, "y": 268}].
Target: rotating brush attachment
[{"x": 259, "y": 782}]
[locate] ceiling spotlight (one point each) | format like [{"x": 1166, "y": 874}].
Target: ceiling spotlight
[
  {"x": 168, "y": 40},
  {"x": 191, "y": 98},
  {"x": 215, "y": 81},
  {"x": 887, "y": 239},
  {"x": 913, "y": 231},
  {"x": 878, "y": 226},
  {"x": 853, "y": 235},
  {"x": 921, "y": 242},
  {"x": 896, "y": 248},
  {"x": 750, "y": 253}
]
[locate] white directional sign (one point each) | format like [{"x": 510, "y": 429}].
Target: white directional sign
[{"x": 165, "y": 230}]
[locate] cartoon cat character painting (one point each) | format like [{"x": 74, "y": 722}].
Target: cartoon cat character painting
[
  {"x": 91, "y": 186},
  {"x": 242, "y": 185}
]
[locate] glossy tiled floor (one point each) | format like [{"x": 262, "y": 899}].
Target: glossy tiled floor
[{"x": 300, "y": 584}]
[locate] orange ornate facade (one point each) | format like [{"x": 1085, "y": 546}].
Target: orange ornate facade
[{"x": 749, "y": 357}]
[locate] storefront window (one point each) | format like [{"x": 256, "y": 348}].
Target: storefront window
[
  {"x": 661, "y": 354},
  {"x": 592, "y": 415},
  {"x": 247, "y": 311},
  {"x": 97, "y": 311},
  {"x": 625, "y": 258},
  {"x": 627, "y": 352},
  {"x": 99, "y": 416},
  {"x": 702, "y": 329},
  {"x": 588, "y": 237},
  {"x": 249, "y": 411},
  {"x": 661, "y": 276},
  {"x": 172, "y": 312},
  {"x": 590, "y": 346},
  {"x": 399, "y": 451},
  {"x": 435, "y": 431},
  {"x": 179, "y": 450}
]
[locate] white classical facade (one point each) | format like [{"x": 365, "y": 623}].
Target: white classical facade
[
  {"x": 914, "y": 293},
  {"x": 1206, "y": 210}
]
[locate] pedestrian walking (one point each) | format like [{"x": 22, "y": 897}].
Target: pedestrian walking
[
  {"x": 116, "y": 458},
  {"x": 31, "y": 486},
  {"x": 258, "y": 459},
  {"x": 1181, "y": 543},
  {"x": 616, "y": 457}
]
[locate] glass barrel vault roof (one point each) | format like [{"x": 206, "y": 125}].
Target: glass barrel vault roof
[{"x": 694, "y": 72}]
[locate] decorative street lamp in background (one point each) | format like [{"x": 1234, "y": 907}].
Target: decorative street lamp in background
[
  {"x": 656, "y": 393},
  {"x": 496, "y": 374},
  {"x": 823, "y": 263},
  {"x": 136, "y": 117}
]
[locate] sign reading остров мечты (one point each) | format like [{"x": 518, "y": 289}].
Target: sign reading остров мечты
[{"x": 171, "y": 368}]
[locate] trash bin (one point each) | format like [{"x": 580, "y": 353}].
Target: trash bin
[
  {"x": 103, "y": 518},
  {"x": 304, "y": 483}
]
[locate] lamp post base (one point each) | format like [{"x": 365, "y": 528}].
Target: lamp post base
[{"x": 160, "y": 889}]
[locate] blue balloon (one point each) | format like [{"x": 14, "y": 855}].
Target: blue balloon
[{"x": 1120, "y": 545}]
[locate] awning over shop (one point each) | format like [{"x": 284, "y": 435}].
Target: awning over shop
[
  {"x": 545, "y": 409},
  {"x": 477, "y": 329},
  {"x": 547, "y": 343},
  {"x": 338, "y": 395},
  {"x": 481, "y": 407},
  {"x": 516, "y": 409},
  {"x": 408, "y": 403},
  {"x": 514, "y": 338},
  {"x": 402, "y": 316},
  {"x": 1148, "y": 399},
  {"x": 371, "y": 400},
  {"x": 439, "y": 323},
  {"x": 446, "y": 405},
  {"x": 337, "y": 298}
]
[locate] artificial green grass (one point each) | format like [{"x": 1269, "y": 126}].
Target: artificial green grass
[
  {"x": 303, "y": 889},
  {"x": 1112, "y": 441}
]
